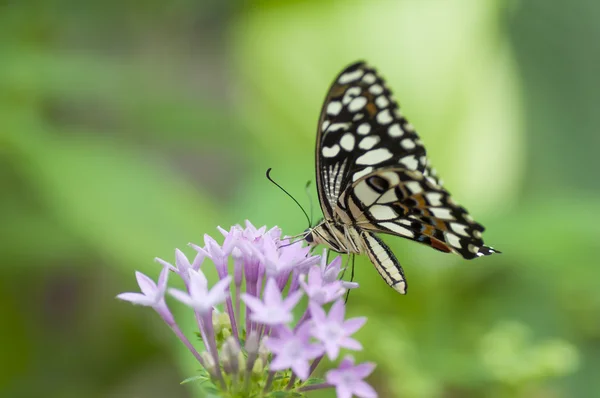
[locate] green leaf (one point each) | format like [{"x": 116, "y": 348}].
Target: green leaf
[{"x": 194, "y": 378}]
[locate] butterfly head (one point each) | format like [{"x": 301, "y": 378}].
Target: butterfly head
[{"x": 312, "y": 235}]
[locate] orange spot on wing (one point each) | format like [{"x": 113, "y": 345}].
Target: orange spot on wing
[{"x": 436, "y": 244}]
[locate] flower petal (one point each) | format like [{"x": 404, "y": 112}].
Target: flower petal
[
  {"x": 337, "y": 312},
  {"x": 332, "y": 349},
  {"x": 147, "y": 285},
  {"x": 137, "y": 298},
  {"x": 317, "y": 313},
  {"x": 352, "y": 325},
  {"x": 363, "y": 390},
  {"x": 252, "y": 302},
  {"x": 198, "y": 284},
  {"x": 272, "y": 295},
  {"x": 181, "y": 296},
  {"x": 350, "y": 344},
  {"x": 163, "y": 278},
  {"x": 290, "y": 302},
  {"x": 300, "y": 368},
  {"x": 181, "y": 261},
  {"x": 363, "y": 370},
  {"x": 165, "y": 264},
  {"x": 219, "y": 292}
]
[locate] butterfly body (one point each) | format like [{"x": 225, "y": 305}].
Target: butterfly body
[{"x": 373, "y": 176}]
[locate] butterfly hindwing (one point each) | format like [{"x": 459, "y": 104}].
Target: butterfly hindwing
[
  {"x": 409, "y": 204},
  {"x": 360, "y": 130},
  {"x": 385, "y": 262}
]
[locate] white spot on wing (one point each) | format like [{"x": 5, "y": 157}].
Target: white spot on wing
[
  {"x": 380, "y": 212},
  {"x": 369, "y": 78},
  {"x": 392, "y": 177},
  {"x": 365, "y": 194},
  {"x": 368, "y": 142},
  {"x": 434, "y": 198},
  {"x": 350, "y": 76},
  {"x": 351, "y": 93},
  {"x": 398, "y": 229},
  {"x": 381, "y": 101},
  {"x": 414, "y": 187},
  {"x": 395, "y": 130},
  {"x": 410, "y": 162},
  {"x": 452, "y": 239},
  {"x": 357, "y": 104},
  {"x": 375, "y": 156},
  {"x": 331, "y": 151},
  {"x": 361, "y": 173},
  {"x": 477, "y": 234},
  {"x": 384, "y": 117},
  {"x": 334, "y": 107},
  {"x": 407, "y": 143},
  {"x": 459, "y": 228},
  {"x": 473, "y": 249},
  {"x": 388, "y": 197},
  {"x": 376, "y": 89},
  {"x": 347, "y": 142},
  {"x": 325, "y": 124},
  {"x": 442, "y": 213},
  {"x": 364, "y": 129},
  {"x": 337, "y": 126}
]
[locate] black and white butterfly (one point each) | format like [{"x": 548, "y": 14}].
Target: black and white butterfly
[{"x": 373, "y": 175}]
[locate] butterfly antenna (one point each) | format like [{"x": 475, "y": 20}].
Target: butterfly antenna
[
  {"x": 310, "y": 201},
  {"x": 288, "y": 194}
]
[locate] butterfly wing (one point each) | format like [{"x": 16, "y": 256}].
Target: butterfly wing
[
  {"x": 360, "y": 130},
  {"x": 385, "y": 262},
  {"x": 411, "y": 204}
]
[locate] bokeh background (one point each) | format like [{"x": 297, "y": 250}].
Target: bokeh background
[{"x": 128, "y": 129}]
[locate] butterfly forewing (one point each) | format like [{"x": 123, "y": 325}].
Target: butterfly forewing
[{"x": 360, "y": 130}]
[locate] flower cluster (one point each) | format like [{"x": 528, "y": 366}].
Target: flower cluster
[{"x": 253, "y": 347}]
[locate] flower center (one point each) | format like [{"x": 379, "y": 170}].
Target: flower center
[
  {"x": 333, "y": 331},
  {"x": 294, "y": 349}
]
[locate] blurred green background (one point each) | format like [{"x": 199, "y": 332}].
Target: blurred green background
[{"x": 128, "y": 129}]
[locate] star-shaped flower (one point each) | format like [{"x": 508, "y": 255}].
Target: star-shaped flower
[
  {"x": 332, "y": 271},
  {"x": 152, "y": 294},
  {"x": 348, "y": 379},
  {"x": 293, "y": 350},
  {"x": 200, "y": 298},
  {"x": 320, "y": 290},
  {"x": 332, "y": 330},
  {"x": 273, "y": 310}
]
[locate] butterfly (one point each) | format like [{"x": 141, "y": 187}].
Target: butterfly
[{"x": 373, "y": 176}]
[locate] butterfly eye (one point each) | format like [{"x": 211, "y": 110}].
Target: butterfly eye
[
  {"x": 378, "y": 183},
  {"x": 308, "y": 237}
]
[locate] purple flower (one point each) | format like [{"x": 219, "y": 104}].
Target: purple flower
[
  {"x": 274, "y": 310},
  {"x": 348, "y": 379},
  {"x": 318, "y": 289},
  {"x": 200, "y": 298},
  {"x": 270, "y": 275},
  {"x": 293, "y": 350},
  {"x": 332, "y": 330},
  {"x": 183, "y": 264},
  {"x": 331, "y": 272},
  {"x": 152, "y": 295}
]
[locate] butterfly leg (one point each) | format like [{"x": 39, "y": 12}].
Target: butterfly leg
[{"x": 351, "y": 280}]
